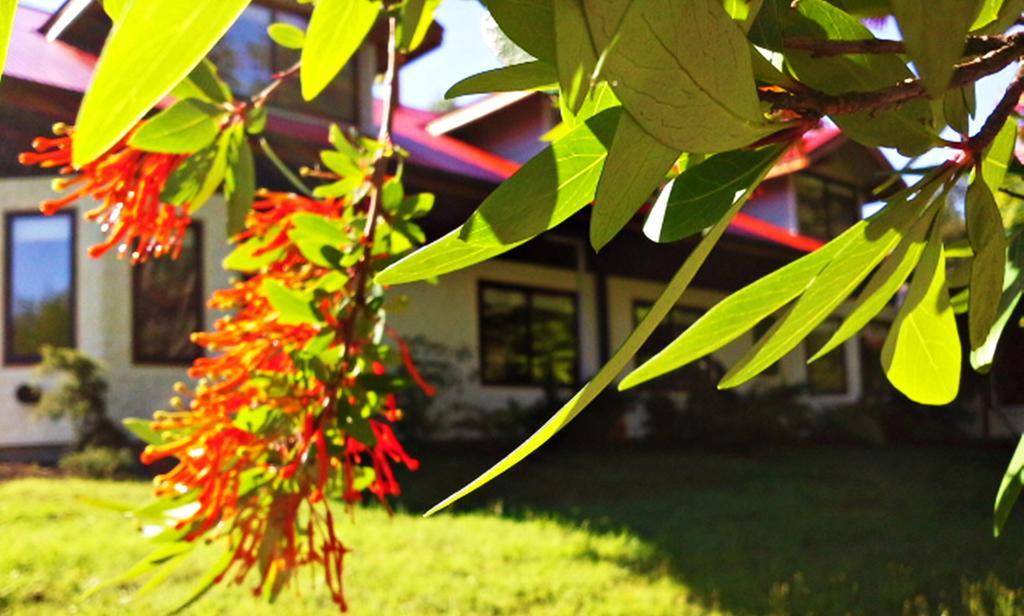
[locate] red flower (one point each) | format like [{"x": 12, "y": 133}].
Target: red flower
[{"x": 127, "y": 183}]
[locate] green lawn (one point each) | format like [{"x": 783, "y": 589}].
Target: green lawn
[{"x": 823, "y": 531}]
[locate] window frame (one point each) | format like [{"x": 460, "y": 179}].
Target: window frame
[
  {"x": 529, "y": 291},
  {"x": 199, "y": 306},
  {"x": 841, "y": 353},
  {"x": 10, "y": 358},
  {"x": 827, "y": 181}
]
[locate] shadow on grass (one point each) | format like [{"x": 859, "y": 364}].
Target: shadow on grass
[{"x": 822, "y": 530}]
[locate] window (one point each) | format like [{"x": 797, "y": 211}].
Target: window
[
  {"x": 527, "y": 336},
  {"x": 39, "y": 284},
  {"x": 825, "y": 208},
  {"x": 247, "y": 59},
  {"x": 826, "y": 375},
  {"x": 167, "y": 305},
  {"x": 677, "y": 321}
]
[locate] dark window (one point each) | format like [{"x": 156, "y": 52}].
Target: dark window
[
  {"x": 167, "y": 305},
  {"x": 247, "y": 59},
  {"x": 39, "y": 289},
  {"x": 527, "y": 336},
  {"x": 825, "y": 208},
  {"x": 827, "y": 374},
  {"x": 673, "y": 325}
]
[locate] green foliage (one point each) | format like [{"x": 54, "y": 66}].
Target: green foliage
[
  {"x": 336, "y": 30},
  {"x": 534, "y": 75},
  {"x": 185, "y": 127},
  {"x": 7, "y": 10},
  {"x": 99, "y": 463},
  {"x": 934, "y": 56},
  {"x": 152, "y": 48},
  {"x": 79, "y": 395}
]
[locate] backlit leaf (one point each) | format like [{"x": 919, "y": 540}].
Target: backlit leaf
[
  {"x": 997, "y": 158},
  {"x": 1009, "y": 489},
  {"x": 185, "y": 127},
  {"x": 194, "y": 181},
  {"x": 683, "y": 70},
  {"x": 150, "y": 50},
  {"x": 336, "y": 31},
  {"x": 239, "y": 179},
  {"x": 637, "y": 164},
  {"x": 417, "y": 15},
  {"x": 530, "y": 24},
  {"x": 700, "y": 195},
  {"x": 534, "y": 75},
  {"x": 574, "y": 52},
  {"x": 661, "y": 308},
  {"x": 287, "y": 35},
  {"x": 988, "y": 240},
  {"x": 549, "y": 188},
  {"x": 204, "y": 83},
  {"x": 292, "y": 306},
  {"x": 922, "y": 353},
  {"x": 1013, "y": 286},
  {"x": 934, "y": 56},
  {"x": 7, "y": 10}
]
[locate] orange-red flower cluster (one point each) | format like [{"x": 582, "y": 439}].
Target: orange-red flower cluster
[
  {"x": 127, "y": 183},
  {"x": 262, "y": 429}
]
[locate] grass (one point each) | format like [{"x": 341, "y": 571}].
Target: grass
[{"x": 823, "y": 531}]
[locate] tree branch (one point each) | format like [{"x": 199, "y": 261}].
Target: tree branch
[
  {"x": 821, "y": 104},
  {"x": 994, "y": 123},
  {"x": 823, "y": 48}
]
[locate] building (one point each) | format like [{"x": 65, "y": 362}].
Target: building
[{"x": 546, "y": 314}]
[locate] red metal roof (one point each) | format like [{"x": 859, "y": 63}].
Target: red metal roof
[{"x": 56, "y": 64}]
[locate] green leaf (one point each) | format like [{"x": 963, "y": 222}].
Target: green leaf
[
  {"x": 704, "y": 192},
  {"x": 115, "y": 8},
  {"x": 417, "y": 15},
  {"x": 156, "y": 558},
  {"x": 143, "y": 429},
  {"x": 832, "y": 286},
  {"x": 534, "y": 75},
  {"x": 908, "y": 128},
  {"x": 341, "y": 163},
  {"x": 208, "y": 580},
  {"x": 205, "y": 84},
  {"x": 530, "y": 24},
  {"x": 552, "y": 186},
  {"x": 958, "y": 108},
  {"x": 287, "y": 35},
  {"x": 605, "y": 376},
  {"x": 293, "y": 306},
  {"x": 8, "y": 8},
  {"x": 604, "y": 18},
  {"x": 239, "y": 179},
  {"x": 251, "y": 255},
  {"x": 683, "y": 70},
  {"x": 574, "y": 52},
  {"x": 155, "y": 46},
  {"x": 194, "y": 181},
  {"x": 922, "y": 353},
  {"x": 312, "y": 233},
  {"x": 637, "y": 164},
  {"x": 988, "y": 240},
  {"x": 185, "y": 127},
  {"x": 1009, "y": 489},
  {"x": 883, "y": 285},
  {"x": 934, "y": 56},
  {"x": 1013, "y": 287},
  {"x": 996, "y": 16},
  {"x": 997, "y": 158},
  {"x": 336, "y": 30},
  {"x": 741, "y": 311}
]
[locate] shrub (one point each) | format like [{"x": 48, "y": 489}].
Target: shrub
[
  {"x": 80, "y": 396},
  {"x": 99, "y": 462}
]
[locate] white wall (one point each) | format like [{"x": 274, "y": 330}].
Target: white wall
[{"x": 103, "y": 323}]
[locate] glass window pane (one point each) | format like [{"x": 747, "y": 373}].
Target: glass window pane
[
  {"x": 338, "y": 101},
  {"x": 244, "y": 54},
  {"x": 827, "y": 375},
  {"x": 167, "y": 305},
  {"x": 39, "y": 306},
  {"x": 553, "y": 330},
  {"x": 504, "y": 336}
]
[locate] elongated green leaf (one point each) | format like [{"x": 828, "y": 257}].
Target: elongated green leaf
[
  {"x": 908, "y": 128},
  {"x": 1013, "y": 287},
  {"x": 934, "y": 56},
  {"x": 204, "y": 83},
  {"x": 552, "y": 186},
  {"x": 958, "y": 107},
  {"x": 530, "y": 24},
  {"x": 922, "y": 353},
  {"x": 604, "y": 18},
  {"x": 683, "y": 70},
  {"x": 207, "y": 581},
  {"x": 7, "y": 10},
  {"x": 702, "y": 193},
  {"x": 988, "y": 240},
  {"x": 142, "y": 428},
  {"x": 831, "y": 287},
  {"x": 239, "y": 179},
  {"x": 534, "y": 75},
  {"x": 1009, "y": 489},
  {"x": 156, "y": 558},
  {"x": 150, "y": 50},
  {"x": 194, "y": 181},
  {"x": 997, "y": 158},
  {"x": 293, "y": 307},
  {"x": 287, "y": 35},
  {"x": 637, "y": 163},
  {"x": 996, "y": 16},
  {"x": 417, "y": 15},
  {"x": 183, "y": 128},
  {"x": 740, "y": 312},
  {"x": 336, "y": 30},
  {"x": 605, "y": 376},
  {"x": 884, "y": 284},
  {"x": 574, "y": 52}
]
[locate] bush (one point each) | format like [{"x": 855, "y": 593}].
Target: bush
[
  {"x": 99, "y": 463},
  {"x": 80, "y": 397}
]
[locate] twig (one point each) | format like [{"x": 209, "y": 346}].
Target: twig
[
  {"x": 994, "y": 123},
  {"x": 823, "y": 48}
]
